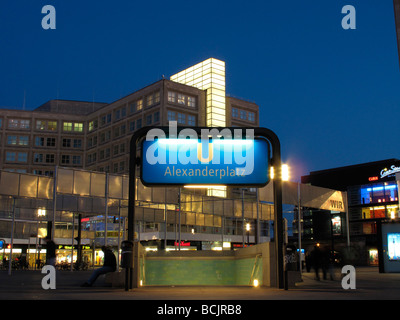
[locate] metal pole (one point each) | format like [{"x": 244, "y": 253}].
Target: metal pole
[
  {"x": 106, "y": 211},
  {"x": 72, "y": 239},
  {"x": 165, "y": 218},
  {"x": 299, "y": 223},
  {"x": 347, "y": 222},
  {"x": 12, "y": 240},
  {"x": 258, "y": 219},
  {"x": 179, "y": 194},
  {"x": 55, "y": 180},
  {"x": 243, "y": 236}
]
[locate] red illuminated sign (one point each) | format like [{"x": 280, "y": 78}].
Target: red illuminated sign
[
  {"x": 372, "y": 178},
  {"x": 183, "y": 244}
]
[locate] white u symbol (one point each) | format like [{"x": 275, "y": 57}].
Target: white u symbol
[{"x": 200, "y": 152}]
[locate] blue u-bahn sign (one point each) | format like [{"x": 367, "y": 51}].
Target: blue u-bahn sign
[{"x": 205, "y": 162}]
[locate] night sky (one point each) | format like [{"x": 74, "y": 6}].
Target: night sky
[{"x": 331, "y": 95}]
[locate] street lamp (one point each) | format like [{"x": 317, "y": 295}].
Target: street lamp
[{"x": 248, "y": 233}]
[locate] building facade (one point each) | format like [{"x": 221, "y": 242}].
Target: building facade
[
  {"x": 372, "y": 192},
  {"x": 96, "y": 137}
]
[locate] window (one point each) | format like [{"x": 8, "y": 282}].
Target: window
[
  {"x": 12, "y": 140},
  {"x": 243, "y": 115},
  {"x": 150, "y": 100},
  {"x": 235, "y": 113},
  {"x": 191, "y": 102},
  {"x": 78, "y": 127},
  {"x": 51, "y": 142},
  {"x": 49, "y": 158},
  {"x": 251, "y": 116},
  {"x": 181, "y": 98},
  {"x": 18, "y": 124},
  {"x": 139, "y": 105},
  {"x": 138, "y": 123},
  {"x": 93, "y": 125},
  {"x": 39, "y": 141},
  {"x": 67, "y": 126},
  {"x": 132, "y": 126},
  {"x": 22, "y": 157},
  {"x": 23, "y": 140},
  {"x": 11, "y": 156},
  {"x": 171, "y": 96},
  {"x": 149, "y": 119},
  {"x": 40, "y": 124},
  {"x": 156, "y": 116},
  {"x": 48, "y": 125},
  {"x": 25, "y": 124},
  {"x": 66, "y": 143},
  {"x": 52, "y": 125},
  {"x": 65, "y": 159},
  {"x": 18, "y": 140},
  {"x": 191, "y": 120},
  {"x": 38, "y": 157},
  {"x": 76, "y": 159},
  {"x": 171, "y": 116},
  {"x": 77, "y": 143},
  {"x": 181, "y": 118}
]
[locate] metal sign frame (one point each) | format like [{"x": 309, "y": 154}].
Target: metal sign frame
[{"x": 275, "y": 161}]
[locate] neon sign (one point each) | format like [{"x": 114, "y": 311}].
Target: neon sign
[{"x": 386, "y": 172}]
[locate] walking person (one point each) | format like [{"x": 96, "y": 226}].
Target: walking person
[
  {"x": 50, "y": 252},
  {"x": 109, "y": 265}
]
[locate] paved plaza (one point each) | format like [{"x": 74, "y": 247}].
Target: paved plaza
[{"x": 370, "y": 285}]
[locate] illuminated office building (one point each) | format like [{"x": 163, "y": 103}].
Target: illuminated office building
[{"x": 95, "y": 136}]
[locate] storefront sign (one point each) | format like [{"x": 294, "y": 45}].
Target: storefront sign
[
  {"x": 386, "y": 172},
  {"x": 205, "y": 162}
]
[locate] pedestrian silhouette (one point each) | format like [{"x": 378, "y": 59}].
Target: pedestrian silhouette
[{"x": 109, "y": 265}]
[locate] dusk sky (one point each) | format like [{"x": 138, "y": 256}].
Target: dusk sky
[{"x": 331, "y": 95}]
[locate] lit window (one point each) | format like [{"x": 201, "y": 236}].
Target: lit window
[
  {"x": 139, "y": 105},
  {"x": 52, "y": 125},
  {"x": 150, "y": 100},
  {"x": 157, "y": 97},
  {"x": 67, "y": 126},
  {"x": 191, "y": 102},
  {"x": 40, "y": 125},
  {"x": 171, "y": 96},
  {"x": 78, "y": 127},
  {"x": 181, "y": 99}
]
